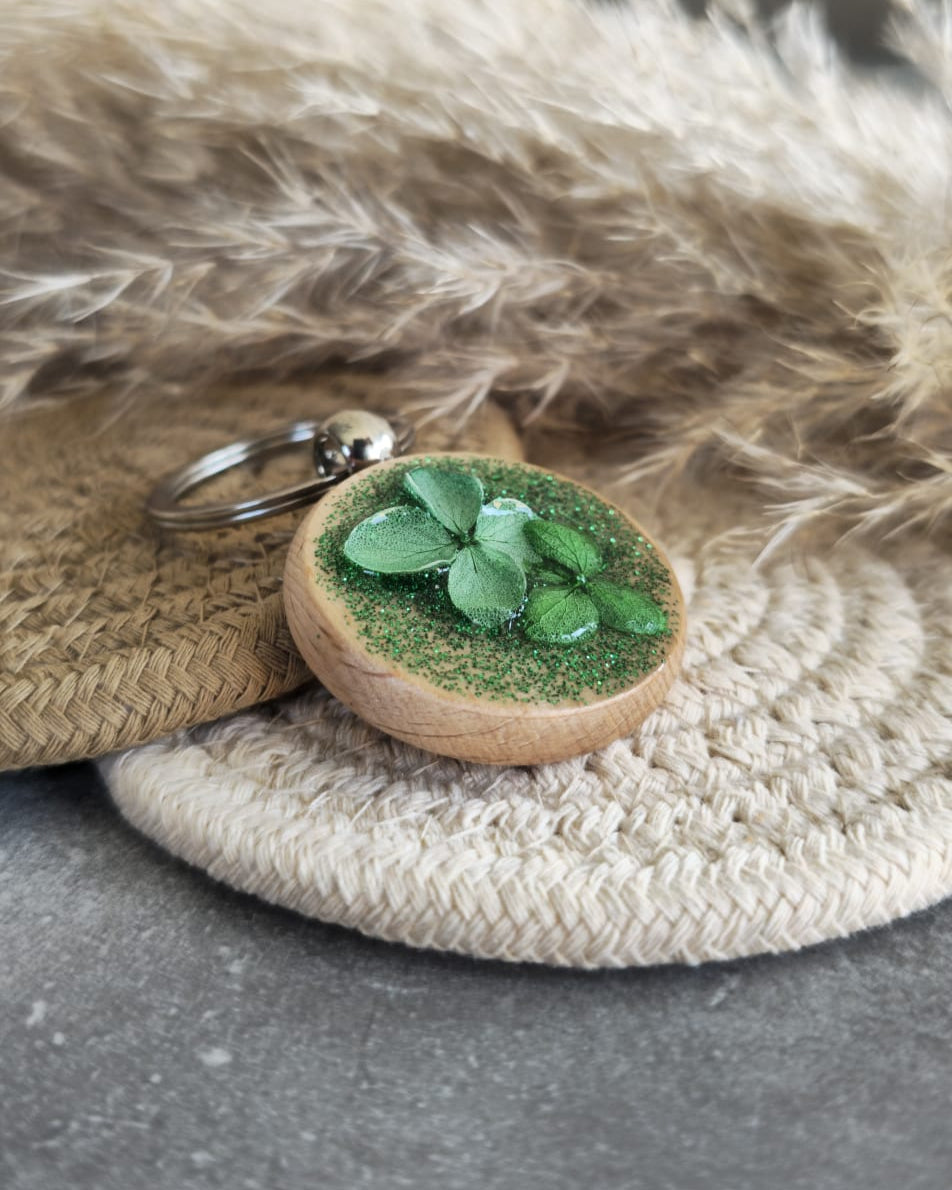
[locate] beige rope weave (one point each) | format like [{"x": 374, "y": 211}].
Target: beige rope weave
[
  {"x": 113, "y": 633},
  {"x": 795, "y": 786}
]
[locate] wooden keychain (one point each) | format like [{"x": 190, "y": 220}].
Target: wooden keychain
[{"x": 479, "y": 608}]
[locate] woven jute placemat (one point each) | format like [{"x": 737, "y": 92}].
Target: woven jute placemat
[
  {"x": 113, "y": 633},
  {"x": 795, "y": 786}
]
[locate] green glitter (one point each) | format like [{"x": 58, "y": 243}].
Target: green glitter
[{"x": 410, "y": 617}]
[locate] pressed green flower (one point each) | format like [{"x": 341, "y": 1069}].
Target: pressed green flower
[
  {"x": 481, "y": 544},
  {"x": 569, "y": 601}
]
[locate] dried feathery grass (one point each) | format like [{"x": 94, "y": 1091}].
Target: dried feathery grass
[{"x": 724, "y": 245}]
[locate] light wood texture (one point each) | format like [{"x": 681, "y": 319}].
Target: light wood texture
[{"x": 407, "y": 706}]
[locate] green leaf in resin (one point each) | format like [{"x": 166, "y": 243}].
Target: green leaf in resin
[
  {"x": 493, "y": 552},
  {"x": 501, "y": 524},
  {"x": 400, "y": 540},
  {"x": 625, "y": 609},
  {"x": 567, "y": 547},
  {"x": 551, "y": 576},
  {"x": 559, "y": 616},
  {"x": 486, "y": 585},
  {"x": 453, "y": 497}
]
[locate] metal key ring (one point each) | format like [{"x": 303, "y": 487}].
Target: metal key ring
[{"x": 342, "y": 444}]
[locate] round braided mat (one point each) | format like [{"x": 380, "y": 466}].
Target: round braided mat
[
  {"x": 113, "y": 633},
  {"x": 795, "y": 786}
]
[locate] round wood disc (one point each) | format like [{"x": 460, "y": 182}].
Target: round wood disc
[{"x": 396, "y": 649}]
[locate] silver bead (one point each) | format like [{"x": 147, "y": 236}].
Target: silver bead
[{"x": 351, "y": 440}]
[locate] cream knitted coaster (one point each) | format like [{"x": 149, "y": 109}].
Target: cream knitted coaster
[{"x": 795, "y": 786}]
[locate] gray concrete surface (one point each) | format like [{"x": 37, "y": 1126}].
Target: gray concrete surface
[{"x": 158, "y": 1030}]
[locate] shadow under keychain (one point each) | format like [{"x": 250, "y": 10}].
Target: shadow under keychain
[{"x": 488, "y": 610}]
